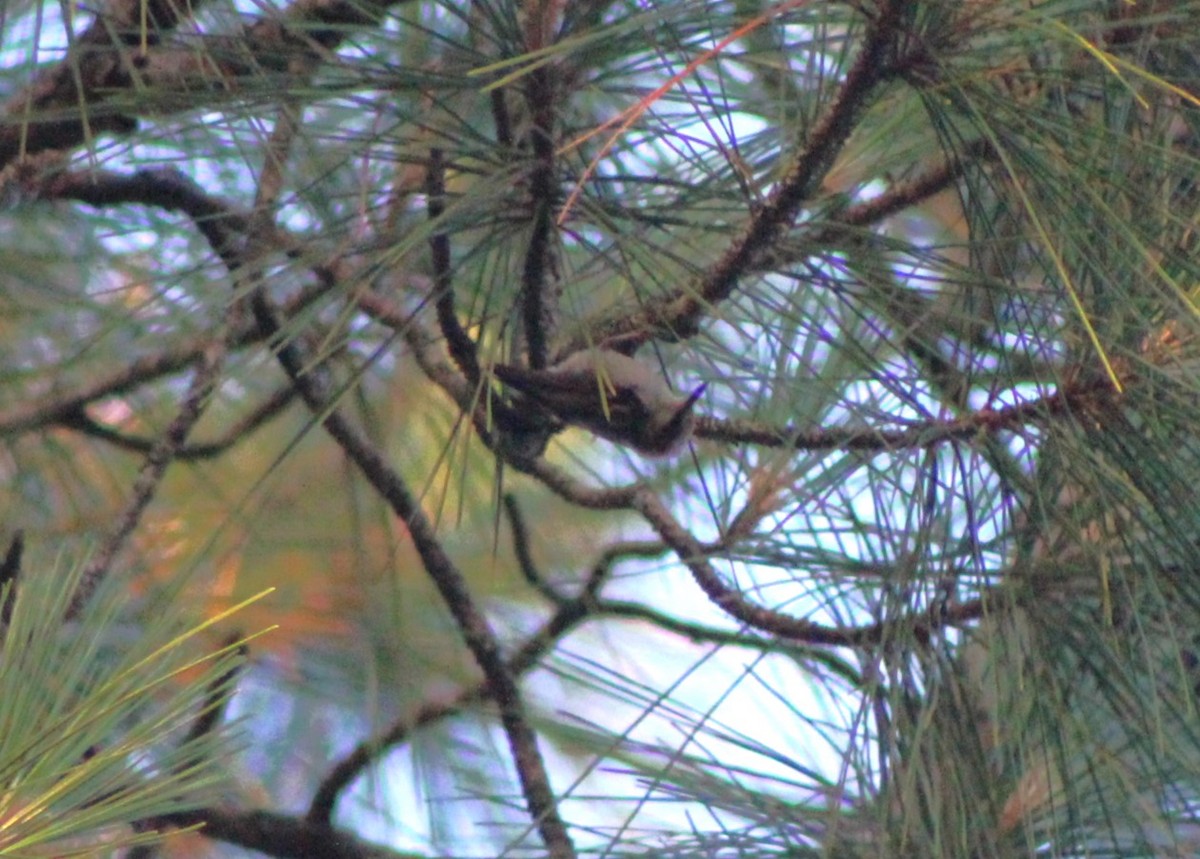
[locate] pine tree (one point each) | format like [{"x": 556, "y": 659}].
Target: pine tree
[{"x": 689, "y": 428}]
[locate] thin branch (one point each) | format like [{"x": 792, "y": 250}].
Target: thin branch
[
  {"x": 10, "y": 573},
  {"x": 273, "y": 406},
  {"x": 217, "y": 695},
  {"x": 43, "y": 412},
  {"x": 472, "y": 623},
  {"x": 204, "y": 382},
  {"x": 349, "y": 768},
  {"x": 595, "y": 578},
  {"x": 702, "y": 634},
  {"x": 679, "y": 316},
  {"x": 280, "y": 835},
  {"x": 570, "y": 614},
  {"x": 614, "y": 553},
  {"x": 567, "y": 616},
  {"x": 538, "y": 307},
  {"x": 501, "y": 118},
  {"x": 576, "y": 491},
  {"x": 212, "y": 710},
  {"x": 521, "y": 548},
  {"x": 226, "y": 231},
  {"x": 1067, "y": 400},
  {"x": 64, "y": 105},
  {"x": 115, "y": 63},
  {"x": 773, "y": 622},
  {"x": 166, "y": 188},
  {"x": 912, "y": 193},
  {"x": 458, "y": 341}
]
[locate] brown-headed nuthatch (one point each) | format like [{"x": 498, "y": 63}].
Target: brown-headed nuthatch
[{"x": 613, "y": 395}]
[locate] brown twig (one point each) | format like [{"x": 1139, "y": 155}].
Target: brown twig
[
  {"x": 209, "y": 716},
  {"x": 472, "y": 623},
  {"x": 216, "y": 696},
  {"x": 569, "y": 614},
  {"x": 204, "y": 382},
  {"x": 227, "y": 232},
  {"x": 773, "y": 622},
  {"x": 273, "y": 406},
  {"x": 115, "y": 60},
  {"x": 39, "y": 413},
  {"x": 678, "y": 316},
  {"x": 1069, "y": 398},
  {"x": 524, "y": 554},
  {"x": 280, "y": 835},
  {"x": 458, "y": 341},
  {"x": 911, "y": 193},
  {"x": 10, "y": 573},
  {"x": 538, "y": 308},
  {"x": 65, "y": 105},
  {"x": 165, "y": 188}
]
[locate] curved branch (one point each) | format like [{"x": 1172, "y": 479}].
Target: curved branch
[
  {"x": 226, "y": 230},
  {"x": 1070, "y": 398},
  {"x": 166, "y": 188},
  {"x": 461, "y": 346},
  {"x": 538, "y": 311},
  {"x": 907, "y": 194},
  {"x": 10, "y": 573},
  {"x": 733, "y": 603},
  {"x": 279, "y": 835},
  {"x": 273, "y": 406},
  {"x": 472, "y": 623},
  {"x": 145, "y": 486},
  {"x": 570, "y": 613},
  {"x": 679, "y": 316},
  {"x": 115, "y": 62},
  {"x": 524, "y": 554}
]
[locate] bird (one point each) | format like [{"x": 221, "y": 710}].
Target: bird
[{"x": 613, "y": 395}]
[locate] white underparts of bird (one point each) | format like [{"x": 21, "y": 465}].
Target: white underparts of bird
[{"x": 613, "y": 395}]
